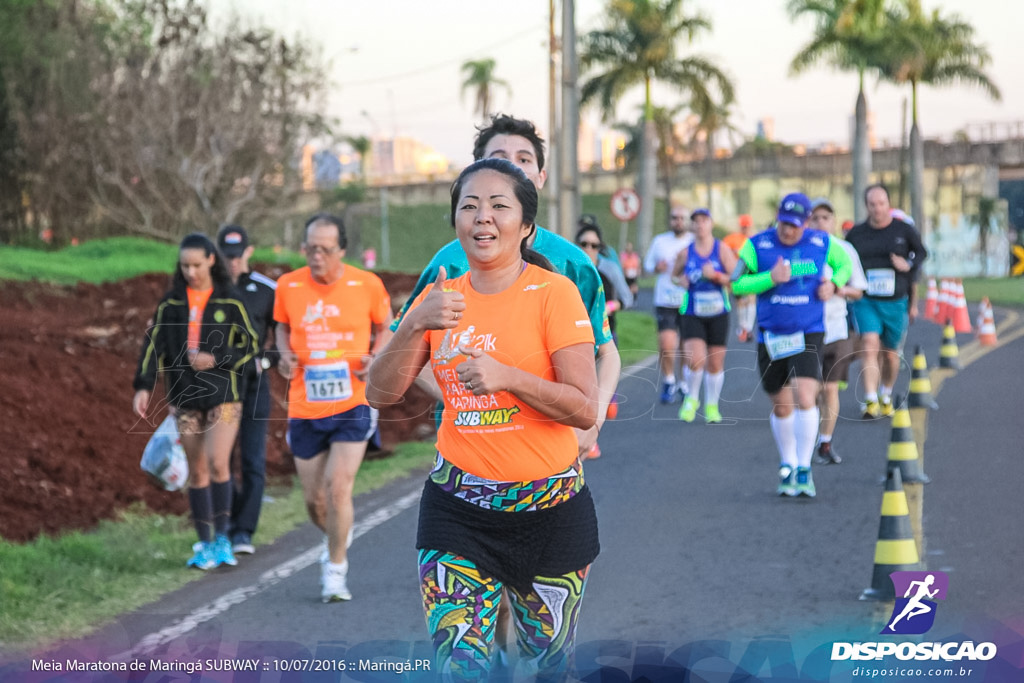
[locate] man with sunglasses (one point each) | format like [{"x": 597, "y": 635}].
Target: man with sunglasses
[{"x": 328, "y": 314}]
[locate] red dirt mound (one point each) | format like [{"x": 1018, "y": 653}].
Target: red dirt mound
[{"x": 69, "y": 443}]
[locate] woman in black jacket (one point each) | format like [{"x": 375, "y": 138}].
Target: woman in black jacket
[{"x": 200, "y": 339}]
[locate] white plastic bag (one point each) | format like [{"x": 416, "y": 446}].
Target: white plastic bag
[{"x": 164, "y": 458}]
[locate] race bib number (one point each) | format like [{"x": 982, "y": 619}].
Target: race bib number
[
  {"x": 328, "y": 382},
  {"x": 881, "y": 281},
  {"x": 707, "y": 304},
  {"x": 783, "y": 345},
  {"x": 632, "y": 273}
]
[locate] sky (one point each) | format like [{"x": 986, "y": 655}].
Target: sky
[{"x": 395, "y": 66}]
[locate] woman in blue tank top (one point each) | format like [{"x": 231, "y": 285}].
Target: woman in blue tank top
[{"x": 703, "y": 269}]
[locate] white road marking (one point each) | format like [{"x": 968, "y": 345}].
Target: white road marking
[{"x": 269, "y": 578}]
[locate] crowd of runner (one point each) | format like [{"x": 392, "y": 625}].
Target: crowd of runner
[{"x": 512, "y": 329}]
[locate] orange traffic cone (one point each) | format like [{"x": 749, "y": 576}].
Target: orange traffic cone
[
  {"x": 961, "y": 316},
  {"x": 945, "y": 307},
  {"x": 986, "y": 324},
  {"x": 896, "y": 549},
  {"x": 931, "y": 305}
]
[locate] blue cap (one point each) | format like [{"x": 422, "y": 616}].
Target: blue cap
[
  {"x": 700, "y": 212},
  {"x": 795, "y": 209}
]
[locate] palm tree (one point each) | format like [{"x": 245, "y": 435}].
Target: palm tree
[
  {"x": 638, "y": 47},
  {"x": 711, "y": 118},
  {"x": 849, "y": 36},
  {"x": 929, "y": 49},
  {"x": 670, "y": 144},
  {"x": 361, "y": 145},
  {"x": 480, "y": 77}
]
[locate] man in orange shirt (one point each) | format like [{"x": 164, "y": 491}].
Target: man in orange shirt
[
  {"x": 328, "y": 314},
  {"x": 745, "y": 305}
]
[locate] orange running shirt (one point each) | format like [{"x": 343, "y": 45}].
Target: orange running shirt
[
  {"x": 196, "y": 305},
  {"x": 498, "y": 436},
  {"x": 330, "y": 334}
]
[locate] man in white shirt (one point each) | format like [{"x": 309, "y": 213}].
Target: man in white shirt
[
  {"x": 840, "y": 341},
  {"x": 668, "y": 297}
]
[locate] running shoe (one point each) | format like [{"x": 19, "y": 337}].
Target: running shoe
[
  {"x": 241, "y": 543},
  {"x": 711, "y": 414},
  {"x": 742, "y": 335},
  {"x": 334, "y": 586},
  {"x": 827, "y": 456},
  {"x": 688, "y": 411},
  {"x": 594, "y": 452},
  {"x": 872, "y": 410},
  {"x": 202, "y": 557},
  {"x": 843, "y": 385},
  {"x": 886, "y": 409},
  {"x": 222, "y": 552},
  {"x": 668, "y": 392},
  {"x": 805, "y": 482},
  {"x": 787, "y": 481}
]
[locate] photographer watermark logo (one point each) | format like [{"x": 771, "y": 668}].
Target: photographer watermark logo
[{"x": 914, "y": 613}]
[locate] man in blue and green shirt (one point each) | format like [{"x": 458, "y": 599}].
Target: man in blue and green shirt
[{"x": 785, "y": 267}]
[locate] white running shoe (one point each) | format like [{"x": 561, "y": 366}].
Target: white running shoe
[{"x": 333, "y": 581}]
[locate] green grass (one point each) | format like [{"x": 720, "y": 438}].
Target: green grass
[
  {"x": 65, "y": 586},
  {"x": 1007, "y": 291},
  {"x": 105, "y": 260},
  {"x": 637, "y": 336}
]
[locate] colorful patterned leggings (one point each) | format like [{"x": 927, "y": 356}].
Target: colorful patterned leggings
[
  {"x": 461, "y": 605},
  {"x": 461, "y": 602}
]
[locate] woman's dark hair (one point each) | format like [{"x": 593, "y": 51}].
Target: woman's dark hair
[
  {"x": 218, "y": 271},
  {"x": 588, "y": 223},
  {"x": 525, "y": 192}
]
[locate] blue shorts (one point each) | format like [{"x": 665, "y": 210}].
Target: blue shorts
[
  {"x": 309, "y": 438},
  {"x": 884, "y": 317}
]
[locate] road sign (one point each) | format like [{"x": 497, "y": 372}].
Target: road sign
[{"x": 625, "y": 204}]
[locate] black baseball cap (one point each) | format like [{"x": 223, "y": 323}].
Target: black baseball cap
[{"x": 232, "y": 240}]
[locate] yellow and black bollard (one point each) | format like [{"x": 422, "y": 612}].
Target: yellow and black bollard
[{"x": 895, "y": 550}]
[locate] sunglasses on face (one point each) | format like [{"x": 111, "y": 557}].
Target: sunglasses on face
[{"x": 588, "y": 245}]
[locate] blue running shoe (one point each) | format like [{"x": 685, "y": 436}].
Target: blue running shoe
[
  {"x": 668, "y": 392},
  {"x": 222, "y": 553},
  {"x": 202, "y": 557},
  {"x": 805, "y": 482}
]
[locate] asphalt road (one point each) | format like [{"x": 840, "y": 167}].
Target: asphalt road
[{"x": 702, "y": 565}]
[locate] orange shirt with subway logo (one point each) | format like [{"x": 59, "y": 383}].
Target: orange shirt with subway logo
[
  {"x": 497, "y": 436},
  {"x": 330, "y": 333}
]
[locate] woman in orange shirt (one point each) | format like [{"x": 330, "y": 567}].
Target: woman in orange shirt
[
  {"x": 506, "y": 505},
  {"x": 200, "y": 339}
]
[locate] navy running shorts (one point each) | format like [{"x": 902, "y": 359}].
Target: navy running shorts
[{"x": 309, "y": 438}]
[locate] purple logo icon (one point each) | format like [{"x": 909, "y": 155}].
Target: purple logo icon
[{"x": 914, "y": 613}]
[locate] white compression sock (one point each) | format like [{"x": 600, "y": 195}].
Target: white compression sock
[
  {"x": 713, "y": 387},
  {"x": 806, "y": 431},
  {"x": 693, "y": 380},
  {"x": 785, "y": 439}
]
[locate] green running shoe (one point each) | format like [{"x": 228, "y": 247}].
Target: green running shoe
[
  {"x": 688, "y": 411},
  {"x": 711, "y": 413}
]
